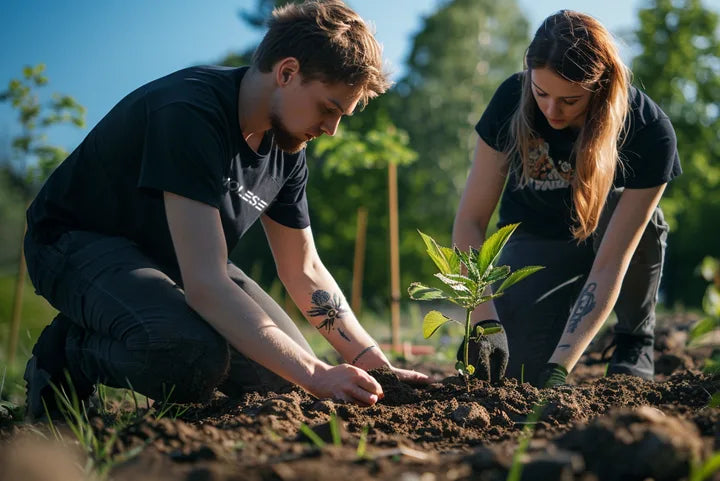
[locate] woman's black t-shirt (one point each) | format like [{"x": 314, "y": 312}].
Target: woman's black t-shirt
[
  {"x": 179, "y": 134},
  {"x": 648, "y": 156}
]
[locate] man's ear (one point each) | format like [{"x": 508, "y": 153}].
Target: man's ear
[{"x": 285, "y": 70}]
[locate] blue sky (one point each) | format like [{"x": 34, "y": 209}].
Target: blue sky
[{"x": 98, "y": 51}]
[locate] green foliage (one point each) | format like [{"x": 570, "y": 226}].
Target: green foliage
[
  {"x": 36, "y": 157},
  {"x": 709, "y": 269},
  {"x": 460, "y": 56},
  {"x": 350, "y": 150},
  {"x": 703, "y": 471},
  {"x": 469, "y": 289},
  {"x": 679, "y": 67}
]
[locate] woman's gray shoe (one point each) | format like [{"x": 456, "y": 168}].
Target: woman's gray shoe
[{"x": 633, "y": 355}]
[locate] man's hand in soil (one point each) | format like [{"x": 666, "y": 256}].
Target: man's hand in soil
[
  {"x": 488, "y": 354},
  {"x": 553, "y": 375},
  {"x": 345, "y": 383}
]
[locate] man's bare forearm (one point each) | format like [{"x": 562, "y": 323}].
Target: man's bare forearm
[
  {"x": 319, "y": 298},
  {"x": 249, "y": 329}
]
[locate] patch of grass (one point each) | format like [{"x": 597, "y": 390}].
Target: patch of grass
[{"x": 703, "y": 471}]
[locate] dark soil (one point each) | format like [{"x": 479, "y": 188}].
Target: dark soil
[{"x": 597, "y": 428}]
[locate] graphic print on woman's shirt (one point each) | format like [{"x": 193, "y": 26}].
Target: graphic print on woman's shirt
[{"x": 546, "y": 173}]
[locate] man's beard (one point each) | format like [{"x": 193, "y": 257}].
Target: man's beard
[{"x": 283, "y": 138}]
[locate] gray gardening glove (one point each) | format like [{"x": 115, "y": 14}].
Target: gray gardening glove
[{"x": 489, "y": 354}]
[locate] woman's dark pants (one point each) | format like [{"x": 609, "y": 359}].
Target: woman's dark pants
[{"x": 535, "y": 310}]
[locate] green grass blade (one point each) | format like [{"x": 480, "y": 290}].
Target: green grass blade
[
  {"x": 335, "y": 430},
  {"x": 705, "y": 470},
  {"x": 312, "y": 436},
  {"x": 515, "y": 472},
  {"x": 362, "y": 444}
]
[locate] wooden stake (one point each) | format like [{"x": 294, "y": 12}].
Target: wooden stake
[
  {"x": 359, "y": 262},
  {"x": 394, "y": 257}
]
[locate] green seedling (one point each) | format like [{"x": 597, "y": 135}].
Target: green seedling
[
  {"x": 362, "y": 444},
  {"x": 335, "y": 430},
  {"x": 515, "y": 471},
  {"x": 312, "y": 436},
  {"x": 468, "y": 279}
]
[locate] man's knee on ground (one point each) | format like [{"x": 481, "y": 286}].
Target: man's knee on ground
[{"x": 190, "y": 370}]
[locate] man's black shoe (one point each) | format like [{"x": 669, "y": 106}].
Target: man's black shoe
[
  {"x": 633, "y": 355},
  {"x": 47, "y": 367}
]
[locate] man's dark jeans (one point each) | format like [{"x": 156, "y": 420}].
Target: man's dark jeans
[
  {"x": 131, "y": 326},
  {"x": 535, "y": 310}
]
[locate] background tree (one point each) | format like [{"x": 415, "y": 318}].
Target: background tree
[
  {"x": 462, "y": 53},
  {"x": 679, "y": 67},
  {"x": 32, "y": 158},
  {"x": 458, "y": 59},
  {"x": 347, "y": 171}
]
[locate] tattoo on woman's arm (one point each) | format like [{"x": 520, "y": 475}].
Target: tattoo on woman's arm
[
  {"x": 584, "y": 305},
  {"x": 362, "y": 353},
  {"x": 327, "y": 307}
]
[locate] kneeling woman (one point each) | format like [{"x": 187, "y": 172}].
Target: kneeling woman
[{"x": 580, "y": 158}]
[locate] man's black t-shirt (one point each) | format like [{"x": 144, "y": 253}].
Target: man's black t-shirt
[
  {"x": 178, "y": 134},
  {"x": 544, "y": 206}
]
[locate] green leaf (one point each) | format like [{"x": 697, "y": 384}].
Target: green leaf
[
  {"x": 492, "y": 247},
  {"x": 711, "y": 301},
  {"x": 497, "y": 273},
  {"x": 432, "y": 322},
  {"x": 708, "y": 267},
  {"x": 703, "y": 327},
  {"x": 459, "y": 285},
  {"x": 517, "y": 276},
  {"x": 436, "y": 254},
  {"x": 486, "y": 331},
  {"x": 452, "y": 258},
  {"x": 421, "y": 292},
  {"x": 467, "y": 259},
  {"x": 714, "y": 400},
  {"x": 460, "y": 366}
]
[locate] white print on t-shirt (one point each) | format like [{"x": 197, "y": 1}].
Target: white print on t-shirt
[
  {"x": 545, "y": 173},
  {"x": 246, "y": 195}
]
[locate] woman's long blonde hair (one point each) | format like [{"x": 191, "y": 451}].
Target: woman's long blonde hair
[{"x": 578, "y": 48}]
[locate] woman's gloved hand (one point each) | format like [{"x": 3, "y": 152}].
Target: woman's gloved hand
[
  {"x": 553, "y": 375},
  {"x": 487, "y": 353}
]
